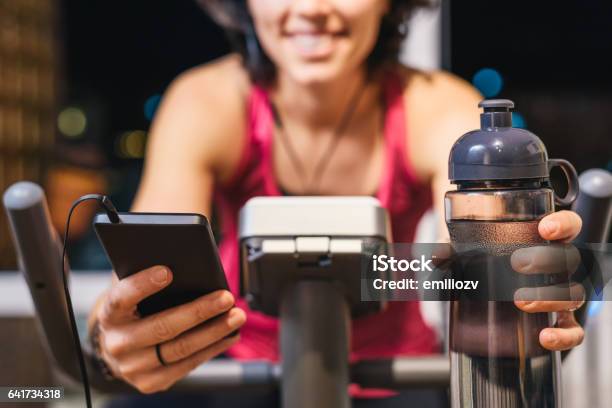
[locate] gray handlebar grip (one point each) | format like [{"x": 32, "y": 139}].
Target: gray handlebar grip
[
  {"x": 39, "y": 256},
  {"x": 594, "y": 205}
]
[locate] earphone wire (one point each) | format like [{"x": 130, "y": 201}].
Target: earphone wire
[{"x": 110, "y": 210}]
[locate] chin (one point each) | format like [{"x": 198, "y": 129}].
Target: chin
[{"x": 316, "y": 73}]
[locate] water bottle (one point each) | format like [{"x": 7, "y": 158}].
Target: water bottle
[{"x": 503, "y": 191}]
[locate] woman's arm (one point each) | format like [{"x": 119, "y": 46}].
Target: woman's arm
[{"x": 195, "y": 141}]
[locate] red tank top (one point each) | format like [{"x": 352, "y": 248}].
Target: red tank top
[{"x": 398, "y": 330}]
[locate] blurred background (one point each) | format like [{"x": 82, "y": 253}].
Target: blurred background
[{"x": 80, "y": 82}]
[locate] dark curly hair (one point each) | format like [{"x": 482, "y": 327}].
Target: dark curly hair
[{"x": 234, "y": 17}]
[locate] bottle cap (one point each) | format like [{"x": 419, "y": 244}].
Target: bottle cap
[{"x": 498, "y": 152}]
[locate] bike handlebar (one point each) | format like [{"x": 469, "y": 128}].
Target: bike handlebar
[{"x": 226, "y": 374}]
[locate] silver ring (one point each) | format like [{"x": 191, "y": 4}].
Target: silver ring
[{"x": 159, "y": 355}]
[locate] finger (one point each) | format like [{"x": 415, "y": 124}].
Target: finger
[
  {"x": 548, "y": 306},
  {"x": 183, "y": 346},
  {"x": 553, "y": 259},
  {"x": 124, "y": 296},
  {"x": 560, "y": 226},
  {"x": 552, "y": 298},
  {"x": 163, "y": 378},
  {"x": 166, "y": 325},
  {"x": 196, "y": 340},
  {"x": 567, "y": 335}
]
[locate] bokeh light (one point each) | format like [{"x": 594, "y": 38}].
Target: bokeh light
[
  {"x": 151, "y": 105},
  {"x": 488, "y": 81},
  {"x": 131, "y": 144},
  {"x": 518, "y": 121},
  {"x": 72, "y": 122}
]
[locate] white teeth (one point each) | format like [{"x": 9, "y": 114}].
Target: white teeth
[{"x": 311, "y": 42}]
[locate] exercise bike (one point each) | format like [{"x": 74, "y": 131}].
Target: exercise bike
[{"x": 299, "y": 257}]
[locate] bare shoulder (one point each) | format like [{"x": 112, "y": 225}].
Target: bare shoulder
[
  {"x": 223, "y": 77},
  {"x": 439, "y": 91},
  {"x": 440, "y": 107},
  {"x": 203, "y": 109}
]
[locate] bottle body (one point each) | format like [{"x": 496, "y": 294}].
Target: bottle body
[{"x": 496, "y": 358}]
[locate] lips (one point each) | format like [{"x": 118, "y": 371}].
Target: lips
[{"x": 313, "y": 45}]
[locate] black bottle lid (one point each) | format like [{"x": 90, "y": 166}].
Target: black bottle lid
[{"x": 499, "y": 152}]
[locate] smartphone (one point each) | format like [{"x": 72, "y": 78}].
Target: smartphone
[{"x": 182, "y": 242}]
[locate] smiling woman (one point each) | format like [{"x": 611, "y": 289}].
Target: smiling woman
[{"x": 313, "y": 102}]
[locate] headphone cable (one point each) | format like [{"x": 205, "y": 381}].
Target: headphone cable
[{"x": 113, "y": 216}]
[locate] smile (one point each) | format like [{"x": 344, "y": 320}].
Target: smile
[{"x": 314, "y": 45}]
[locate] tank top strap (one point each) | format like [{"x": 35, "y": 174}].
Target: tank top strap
[
  {"x": 260, "y": 114},
  {"x": 259, "y": 129},
  {"x": 394, "y": 129},
  {"x": 397, "y": 168}
]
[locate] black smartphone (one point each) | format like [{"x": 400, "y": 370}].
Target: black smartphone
[{"x": 182, "y": 242}]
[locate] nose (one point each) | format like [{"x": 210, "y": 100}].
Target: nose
[{"x": 311, "y": 8}]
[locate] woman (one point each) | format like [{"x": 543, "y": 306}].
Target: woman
[{"x": 314, "y": 103}]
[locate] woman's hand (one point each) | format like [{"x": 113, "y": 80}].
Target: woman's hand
[
  {"x": 188, "y": 334},
  {"x": 562, "y": 226}
]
